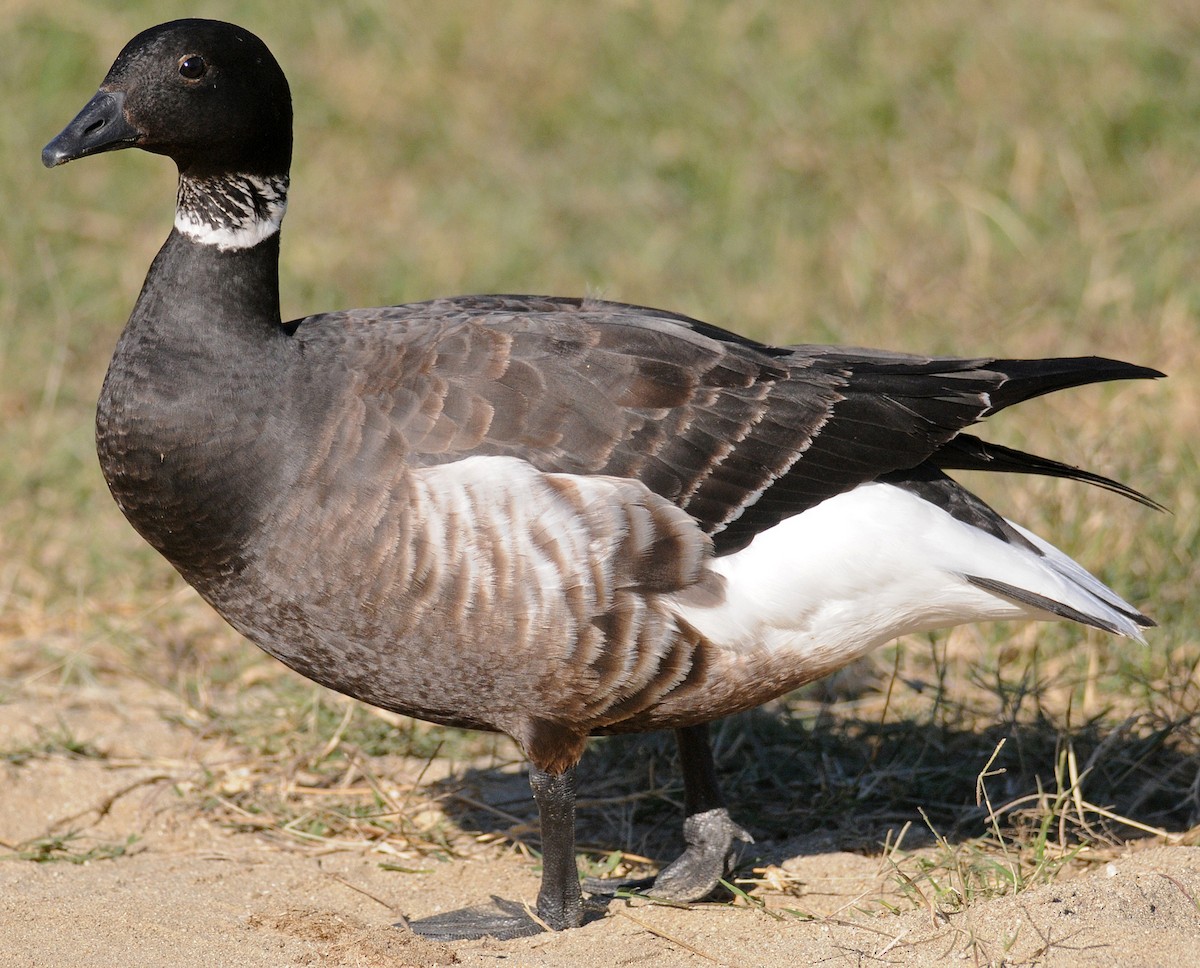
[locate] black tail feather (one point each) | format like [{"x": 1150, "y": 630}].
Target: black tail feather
[
  {"x": 968, "y": 453},
  {"x": 1032, "y": 378},
  {"x": 1058, "y": 608}
]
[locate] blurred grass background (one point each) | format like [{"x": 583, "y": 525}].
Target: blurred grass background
[{"x": 971, "y": 178}]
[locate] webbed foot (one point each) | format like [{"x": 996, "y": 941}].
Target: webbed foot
[
  {"x": 711, "y": 853},
  {"x": 503, "y": 921}
]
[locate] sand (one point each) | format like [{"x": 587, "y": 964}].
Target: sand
[{"x": 188, "y": 891}]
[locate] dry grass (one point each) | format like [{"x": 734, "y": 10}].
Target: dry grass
[{"x": 949, "y": 178}]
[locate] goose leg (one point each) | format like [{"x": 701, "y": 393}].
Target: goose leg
[
  {"x": 709, "y": 832},
  {"x": 560, "y": 900}
]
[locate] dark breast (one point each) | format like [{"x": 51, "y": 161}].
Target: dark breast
[{"x": 187, "y": 460}]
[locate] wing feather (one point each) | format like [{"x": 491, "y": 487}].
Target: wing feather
[{"x": 739, "y": 434}]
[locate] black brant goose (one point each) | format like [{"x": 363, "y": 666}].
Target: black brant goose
[{"x": 548, "y": 517}]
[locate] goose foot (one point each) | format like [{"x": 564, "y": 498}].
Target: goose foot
[
  {"x": 712, "y": 838},
  {"x": 559, "y": 903},
  {"x": 711, "y": 853},
  {"x": 504, "y": 921}
]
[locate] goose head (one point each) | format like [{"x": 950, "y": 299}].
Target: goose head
[{"x": 207, "y": 94}]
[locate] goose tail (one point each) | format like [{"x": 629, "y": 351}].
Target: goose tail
[{"x": 1081, "y": 596}]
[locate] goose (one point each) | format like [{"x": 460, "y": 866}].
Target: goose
[{"x": 547, "y": 517}]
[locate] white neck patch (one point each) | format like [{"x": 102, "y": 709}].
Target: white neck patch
[{"x": 231, "y": 211}]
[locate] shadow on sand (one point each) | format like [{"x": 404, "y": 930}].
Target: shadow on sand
[{"x": 820, "y": 778}]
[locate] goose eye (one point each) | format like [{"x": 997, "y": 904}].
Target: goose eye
[{"x": 192, "y": 66}]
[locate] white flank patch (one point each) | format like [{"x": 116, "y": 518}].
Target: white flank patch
[
  {"x": 875, "y": 563},
  {"x": 231, "y": 211}
]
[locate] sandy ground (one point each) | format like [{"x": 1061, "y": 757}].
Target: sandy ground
[{"x": 190, "y": 892}]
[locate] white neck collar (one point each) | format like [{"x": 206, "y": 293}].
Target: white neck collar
[{"x": 231, "y": 212}]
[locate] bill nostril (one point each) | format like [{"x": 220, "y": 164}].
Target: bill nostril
[{"x": 100, "y": 126}]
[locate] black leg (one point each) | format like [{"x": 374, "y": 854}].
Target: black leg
[
  {"x": 701, "y": 792},
  {"x": 560, "y": 901},
  {"x": 709, "y": 832}
]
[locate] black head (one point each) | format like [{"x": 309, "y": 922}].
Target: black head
[{"x": 205, "y": 93}]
